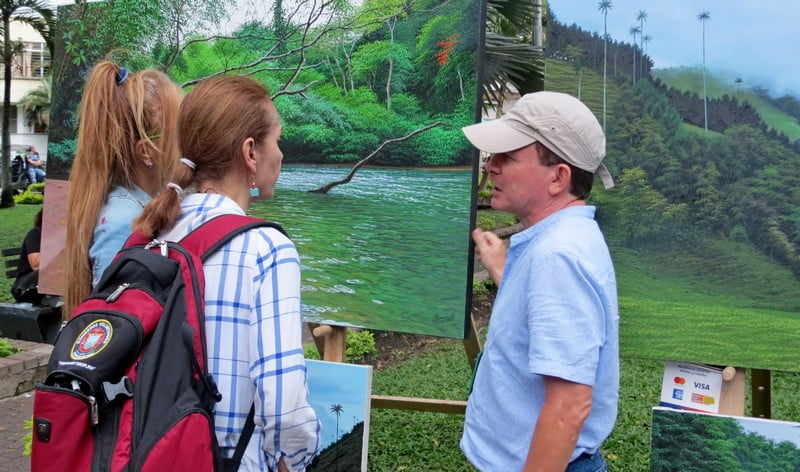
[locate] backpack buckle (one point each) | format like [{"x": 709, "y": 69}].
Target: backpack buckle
[
  {"x": 161, "y": 244},
  {"x": 124, "y": 387}
]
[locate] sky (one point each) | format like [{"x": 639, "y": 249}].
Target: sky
[
  {"x": 755, "y": 40},
  {"x": 346, "y": 384},
  {"x": 778, "y": 431}
]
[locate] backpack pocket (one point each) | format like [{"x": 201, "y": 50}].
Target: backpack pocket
[
  {"x": 95, "y": 349},
  {"x": 194, "y": 431},
  {"x": 62, "y": 429}
]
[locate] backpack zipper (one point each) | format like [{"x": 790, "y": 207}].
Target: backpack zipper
[{"x": 117, "y": 292}]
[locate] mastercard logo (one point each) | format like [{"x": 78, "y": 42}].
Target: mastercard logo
[{"x": 679, "y": 380}]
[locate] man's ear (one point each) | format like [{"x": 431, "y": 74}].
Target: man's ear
[
  {"x": 249, "y": 155},
  {"x": 562, "y": 177}
]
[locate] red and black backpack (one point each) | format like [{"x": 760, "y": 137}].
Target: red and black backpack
[{"x": 127, "y": 385}]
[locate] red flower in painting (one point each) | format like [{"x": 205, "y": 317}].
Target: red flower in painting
[{"x": 447, "y": 47}]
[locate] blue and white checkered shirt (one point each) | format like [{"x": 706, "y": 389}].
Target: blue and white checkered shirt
[{"x": 253, "y": 330}]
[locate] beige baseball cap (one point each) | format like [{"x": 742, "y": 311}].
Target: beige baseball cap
[{"x": 559, "y": 121}]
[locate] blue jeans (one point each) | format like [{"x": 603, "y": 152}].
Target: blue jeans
[
  {"x": 36, "y": 175},
  {"x": 588, "y": 463}
]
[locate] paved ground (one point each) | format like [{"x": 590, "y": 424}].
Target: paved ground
[{"x": 13, "y": 413}]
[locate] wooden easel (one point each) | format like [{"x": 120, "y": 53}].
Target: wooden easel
[
  {"x": 732, "y": 397},
  {"x": 331, "y": 340}
]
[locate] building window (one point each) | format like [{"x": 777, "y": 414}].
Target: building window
[{"x": 33, "y": 62}]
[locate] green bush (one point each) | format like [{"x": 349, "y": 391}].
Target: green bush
[
  {"x": 33, "y": 195},
  {"x": 493, "y": 219},
  {"x": 6, "y": 349},
  {"x": 359, "y": 344}
]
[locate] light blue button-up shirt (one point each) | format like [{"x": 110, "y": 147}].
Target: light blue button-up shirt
[{"x": 555, "y": 314}]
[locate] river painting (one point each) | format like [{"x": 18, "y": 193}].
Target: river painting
[{"x": 388, "y": 251}]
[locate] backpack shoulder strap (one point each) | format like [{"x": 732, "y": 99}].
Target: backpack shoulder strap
[
  {"x": 216, "y": 232},
  {"x": 205, "y": 240}
]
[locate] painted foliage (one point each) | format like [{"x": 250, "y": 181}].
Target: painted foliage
[
  {"x": 348, "y": 79},
  {"x": 703, "y": 141}
]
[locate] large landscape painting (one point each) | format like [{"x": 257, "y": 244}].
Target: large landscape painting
[
  {"x": 701, "y": 107},
  {"x": 389, "y": 250}
]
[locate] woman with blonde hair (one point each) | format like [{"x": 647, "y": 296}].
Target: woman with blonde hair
[
  {"x": 127, "y": 150},
  {"x": 229, "y": 132}
]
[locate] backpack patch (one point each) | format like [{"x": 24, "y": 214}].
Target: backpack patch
[{"x": 92, "y": 340}]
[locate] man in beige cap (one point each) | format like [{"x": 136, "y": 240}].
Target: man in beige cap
[{"x": 544, "y": 396}]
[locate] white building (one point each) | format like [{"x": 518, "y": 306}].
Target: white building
[{"x": 26, "y": 74}]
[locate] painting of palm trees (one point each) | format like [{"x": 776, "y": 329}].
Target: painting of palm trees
[
  {"x": 702, "y": 128},
  {"x": 604, "y": 6},
  {"x": 337, "y": 409},
  {"x": 703, "y": 17},
  {"x": 338, "y": 391}
]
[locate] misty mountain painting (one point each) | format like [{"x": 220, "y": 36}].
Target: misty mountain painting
[{"x": 701, "y": 108}]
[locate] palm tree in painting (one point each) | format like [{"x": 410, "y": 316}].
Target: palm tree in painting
[
  {"x": 604, "y": 6},
  {"x": 645, "y": 41},
  {"x": 702, "y": 17},
  {"x": 337, "y": 409},
  {"x": 634, "y": 31},
  {"x": 511, "y": 58},
  {"x": 641, "y": 16}
]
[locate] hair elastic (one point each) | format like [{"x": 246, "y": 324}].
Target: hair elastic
[
  {"x": 176, "y": 187},
  {"x": 188, "y": 163},
  {"x": 122, "y": 75}
]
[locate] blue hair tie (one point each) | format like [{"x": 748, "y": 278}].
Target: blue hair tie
[{"x": 122, "y": 75}]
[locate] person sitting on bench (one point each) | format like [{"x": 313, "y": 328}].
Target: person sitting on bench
[
  {"x": 27, "y": 281},
  {"x": 35, "y": 172}
]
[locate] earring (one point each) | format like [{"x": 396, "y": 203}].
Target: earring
[
  {"x": 254, "y": 190},
  {"x": 149, "y": 164}
]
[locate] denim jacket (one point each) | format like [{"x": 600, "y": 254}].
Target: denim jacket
[{"x": 113, "y": 226}]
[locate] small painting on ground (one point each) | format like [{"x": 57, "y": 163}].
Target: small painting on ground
[
  {"x": 703, "y": 140},
  {"x": 690, "y": 441},
  {"x": 378, "y": 178},
  {"x": 340, "y": 395}
]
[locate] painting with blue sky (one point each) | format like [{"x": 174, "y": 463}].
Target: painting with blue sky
[
  {"x": 744, "y": 38},
  {"x": 340, "y": 395},
  {"x": 692, "y": 441},
  {"x": 700, "y": 103}
]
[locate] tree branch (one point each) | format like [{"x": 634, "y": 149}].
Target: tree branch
[{"x": 325, "y": 188}]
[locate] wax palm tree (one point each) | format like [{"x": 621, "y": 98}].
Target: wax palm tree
[
  {"x": 702, "y": 17},
  {"x": 645, "y": 40},
  {"x": 36, "y": 104},
  {"x": 641, "y": 16},
  {"x": 634, "y": 31},
  {"x": 40, "y": 17},
  {"x": 337, "y": 409},
  {"x": 604, "y": 6}
]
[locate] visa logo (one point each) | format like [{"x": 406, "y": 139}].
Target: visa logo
[{"x": 702, "y": 386}]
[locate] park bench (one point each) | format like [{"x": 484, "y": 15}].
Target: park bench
[{"x": 24, "y": 321}]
